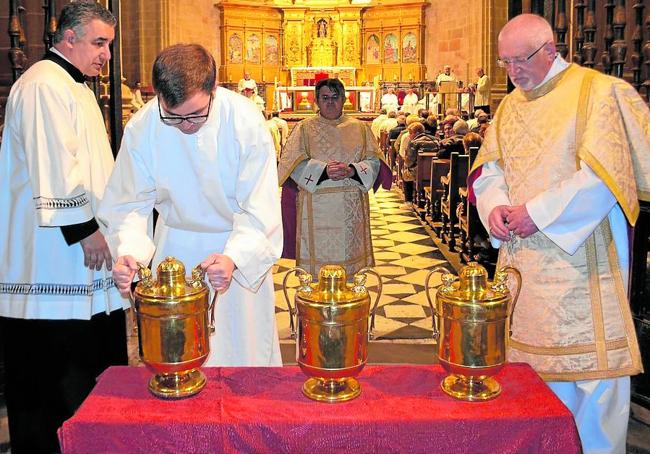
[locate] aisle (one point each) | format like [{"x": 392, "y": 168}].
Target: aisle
[{"x": 404, "y": 253}]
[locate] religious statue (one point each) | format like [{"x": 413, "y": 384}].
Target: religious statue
[{"x": 321, "y": 27}]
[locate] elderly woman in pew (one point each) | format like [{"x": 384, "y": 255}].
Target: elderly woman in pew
[{"x": 419, "y": 141}]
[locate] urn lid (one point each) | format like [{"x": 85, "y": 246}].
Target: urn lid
[
  {"x": 332, "y": 287},
  {"x": 473, "y": 287},
  {"x": 170, "y": 282}
]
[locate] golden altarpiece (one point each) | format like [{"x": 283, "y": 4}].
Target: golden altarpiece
[{"x": 287, "y": 46}]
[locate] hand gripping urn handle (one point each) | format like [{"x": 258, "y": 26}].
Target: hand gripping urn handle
[
  {"x": 359, "y": 286},
  {"x": 144, "y": 273},
  {"x": 499, "y": 285},
  {"x": 198, "y": 280},
  {"x": 447, "y": 279},
  {"x": 305, "y": 279}
]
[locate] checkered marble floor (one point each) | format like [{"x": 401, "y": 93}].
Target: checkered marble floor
[{"x": 404, "y": 254}]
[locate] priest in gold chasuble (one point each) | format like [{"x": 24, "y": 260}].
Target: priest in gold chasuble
[
  {"x": 327, "y": 167},
  {"x": 557, "y": 197}
]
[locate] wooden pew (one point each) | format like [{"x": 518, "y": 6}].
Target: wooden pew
[
  {"x": 433, "y": 193},
  {"x": 422, "y": 180},
  {"x": 469, "y": 223},
  {"x": 458, "y": 168}
]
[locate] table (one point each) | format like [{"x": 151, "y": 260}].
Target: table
[{"x": 401, "y": 409}]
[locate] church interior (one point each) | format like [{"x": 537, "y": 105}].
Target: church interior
[{"x": 277, "y": 50}]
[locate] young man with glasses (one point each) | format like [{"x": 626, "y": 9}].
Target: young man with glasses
[
  {"x": 204, "y": 159},
  {"x": 558, "y": 202},
  {"x": 330, "y": 162}
]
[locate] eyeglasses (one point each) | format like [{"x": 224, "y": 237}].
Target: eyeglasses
[
  {"x": 178, "y": 119},
  {"x": 325, "y": 98},
  {"x": 518, "y": 61}
]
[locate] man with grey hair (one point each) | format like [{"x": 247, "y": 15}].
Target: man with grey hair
[
  {"x": 201, "y": 155},
  {"x": 558, "y": 204},
  {"x": 60, "y": 314}
]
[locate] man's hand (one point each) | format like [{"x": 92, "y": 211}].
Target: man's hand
[
  {"x": 520, "y": 223},
  {"x": 96, "y": 252},
  {"x": 219, "y": 269},
  {"x": 123, "y": 274},
  {"x": 337, "y": 170},
  {"x": 497, "y": 222}
]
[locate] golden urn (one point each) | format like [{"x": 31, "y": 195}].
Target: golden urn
[
  {"x": 333, "y": 330},
  {"x": 471, "y": 319},
  {"x": 172, "y": 319}
]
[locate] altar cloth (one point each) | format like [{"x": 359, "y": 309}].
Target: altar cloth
[{"x": 262, "y": 410}]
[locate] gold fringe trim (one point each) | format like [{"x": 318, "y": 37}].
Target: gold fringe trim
[
  {"x": 590, "y": 375},
  {"x": 623, "y": 303},
  {"x": 595, "y": 295},
  {"x": 614, "y": 344}
]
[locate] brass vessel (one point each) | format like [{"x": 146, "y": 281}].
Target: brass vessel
[
  {"x": 172, "y": 319},
  {"x": 333, "y": 330},
  {"x": 471, "y": 322}
]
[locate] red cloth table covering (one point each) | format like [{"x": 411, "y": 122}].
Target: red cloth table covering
[{"x": 401, "y": 409}]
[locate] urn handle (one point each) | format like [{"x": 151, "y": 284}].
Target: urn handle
[
  {"x": 144, "y": 273},
  {"x": 359, "y": 286},
  {"x": 198, "y": 280},
  {"x": 500, "y": 286},
  {"x": 447, "y": 281},
  {"x": 305, "y": 279}
]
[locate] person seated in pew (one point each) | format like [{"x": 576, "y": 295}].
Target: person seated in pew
[
  {"x": 376, "y": 123},
  {"x": 448, "y": 126},
  {"x": 471, "y": 143},
  {"x": 419, "y": 142},
  {"x": 431, "y": 125},
  {"x": 473, "y": 122},
  {"x": 389, "y": 123},
  {"x": 402, "y": 142},
  {"x": 454, "y": 143},
  {"x": 393, "y": 133}
]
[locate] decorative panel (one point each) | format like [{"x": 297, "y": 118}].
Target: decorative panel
[
  {"x": 253, "y": 49},
  {"x": 235, "y": 48},
  {"x": 391, "y": 48},
  {"x": 372, "y": 50},
  {"x": 271, "y": 50},
  {"x": 409, "y": 48}
]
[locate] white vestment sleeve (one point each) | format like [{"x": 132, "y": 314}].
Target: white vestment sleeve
[
  {"x": 307, "y": 173},
  {"x": 569, "y": 212},
  {"x": 491, "y": 191},
  {"x": 255, "y": 243},
  {"x": 126, "y": 209},
  {"x": 51, "y": 146}
]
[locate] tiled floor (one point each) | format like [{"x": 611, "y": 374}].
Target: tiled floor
[{"x": 404, "y": 254}]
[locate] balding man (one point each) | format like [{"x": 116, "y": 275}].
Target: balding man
[{"x": 558, "y": 203}]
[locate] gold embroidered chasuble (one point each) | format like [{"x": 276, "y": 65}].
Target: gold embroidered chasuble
[
  {"x": 333, "y": 217},
  {"x": 587, "y": 331}
]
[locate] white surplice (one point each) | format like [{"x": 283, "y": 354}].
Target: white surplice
[
  {"x": 410, "y": 104},
  {"x": 216, "y": 191},
  {"x": 54, "y": 163}
]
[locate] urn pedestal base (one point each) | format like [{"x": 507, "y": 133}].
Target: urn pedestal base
[
  {"x": 177, "y": 385},
  {"x": 471, "y": 388},
  {"x": 331, "y": 390}
]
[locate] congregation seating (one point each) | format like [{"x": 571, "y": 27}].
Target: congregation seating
[{"x": 451, "y": 183}]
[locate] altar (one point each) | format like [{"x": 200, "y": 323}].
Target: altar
[
  {"x": 401, "y": 409},
  {"x": 310, "y": 75},
  {"x": 300, "y": 99}
]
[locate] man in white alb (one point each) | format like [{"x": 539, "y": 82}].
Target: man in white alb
[
  {"x": 410, "y": 102},
  {"x": 203, "y": 157},
  {"x": 389, "y": 100}
]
